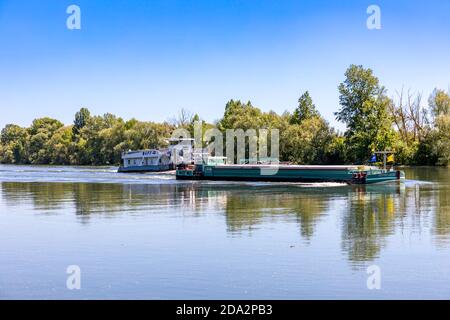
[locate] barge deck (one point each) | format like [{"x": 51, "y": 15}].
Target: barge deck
[{"x": 288, "y": 173}]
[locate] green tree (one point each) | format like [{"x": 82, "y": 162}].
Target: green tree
[
  {"x": 91, "y": 147},
  {"x": 439, "y": 103},
  {"x": 40, "y": 132},
  {"x": 240, "y": 115},
  {"x": 307, "y": 142},
  {"x": 13, "y": 140},
  {"x": 191, "y": 125},
  {"x": 81, "y": 119},
  {"x": 59, "y": 146},
  {"x": 245, "y": 116},
  {"x": 305, "y": 110},
  {"x": 364, "y": 110}
]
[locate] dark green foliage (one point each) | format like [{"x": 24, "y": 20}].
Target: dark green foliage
[
  {"x": 13, "y": 145},
  {"x": 364, "y": 110},
  {"x": 81, "y": 119},
  {"x": 374, "y": 122},
  {"x": 305, "y": 110},
  {"x": 92, "y": 140}
]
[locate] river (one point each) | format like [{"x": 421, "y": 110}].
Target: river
[{"x": 148, "y": 236}]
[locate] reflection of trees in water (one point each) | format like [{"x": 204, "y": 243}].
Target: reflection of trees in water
[
  {"x": 433, "y": 198},
  {"x": 441, "y": 225},
  {"x": 85, "y": 198},
  {"x": 370, "y": 215},
  {"x": 442, "y": 221},
  {"x": 367, "y": 221},
  {"x": 244, "y": 211},
  {"x": 43, "y": 196},
  {"x": 375, "y": 212}
]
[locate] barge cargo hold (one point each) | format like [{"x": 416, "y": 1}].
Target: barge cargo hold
[{"x": 288, "y": 173}]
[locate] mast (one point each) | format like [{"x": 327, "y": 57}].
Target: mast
[{"x": 384, "y": 153}]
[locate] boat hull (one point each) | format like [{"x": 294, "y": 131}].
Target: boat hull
[
  {"x": 289, "y": 174},
  {"x": 149, "y": 168}
]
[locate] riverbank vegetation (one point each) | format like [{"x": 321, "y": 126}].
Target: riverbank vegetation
[{"x": 418, "y": 132}]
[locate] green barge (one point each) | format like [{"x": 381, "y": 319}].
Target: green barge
[{"x": 288, "y": 173}]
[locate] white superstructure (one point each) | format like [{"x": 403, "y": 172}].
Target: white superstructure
[
  {"x": 179, "y": 151},
  {"x": 152, "y": 157}
]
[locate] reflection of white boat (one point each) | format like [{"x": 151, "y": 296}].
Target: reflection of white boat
[{"x": 155, "y": 160}]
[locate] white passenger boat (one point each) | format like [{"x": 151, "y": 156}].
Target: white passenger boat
[{"x": 157, "y": 160}]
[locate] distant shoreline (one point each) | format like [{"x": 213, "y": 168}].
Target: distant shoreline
[
  {"x": 117, "y": 166},
  {"x": 417, "y": 134}
]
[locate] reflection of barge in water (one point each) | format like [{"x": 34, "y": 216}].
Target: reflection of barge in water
[{"x": 287, "y": 173}]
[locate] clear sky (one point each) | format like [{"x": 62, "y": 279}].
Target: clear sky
[{"x": 149, "y": 58}]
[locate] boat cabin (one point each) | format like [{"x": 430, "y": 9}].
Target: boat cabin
[
  {"x": 152, "y": 157},
  {"x": 179, "y": 151}
]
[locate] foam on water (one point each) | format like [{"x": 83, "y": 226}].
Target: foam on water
[{"x": 79, "y": 174}]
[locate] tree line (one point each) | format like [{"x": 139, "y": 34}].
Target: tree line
[{"x": 418, "y": 133}]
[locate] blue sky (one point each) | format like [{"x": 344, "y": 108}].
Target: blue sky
[{"x": 149, "y": 58}]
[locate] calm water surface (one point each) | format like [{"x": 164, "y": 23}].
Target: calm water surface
[{"x": 148, "y": 236}]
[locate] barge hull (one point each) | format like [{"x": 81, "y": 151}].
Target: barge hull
[
  {"x": 256, "y": 179},
  {"x": 289, "y": 174}
]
